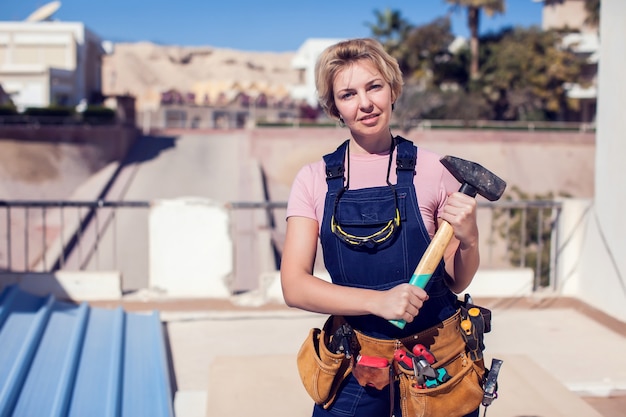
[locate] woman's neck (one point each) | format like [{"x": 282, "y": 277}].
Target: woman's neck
[{"x": 371, "y": 145}]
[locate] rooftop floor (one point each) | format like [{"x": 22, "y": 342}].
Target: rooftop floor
[{"x": 561, "y": 357}]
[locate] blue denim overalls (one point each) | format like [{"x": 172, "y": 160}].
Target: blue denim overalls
[{"x": 379, "y": 266}]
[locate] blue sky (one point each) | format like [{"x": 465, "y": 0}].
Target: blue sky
[{"x": 252, "y": 25}]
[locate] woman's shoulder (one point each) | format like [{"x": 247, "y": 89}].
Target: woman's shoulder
[
  {"x": 310, "y": 175},
  {"x": 428, "y": 154},
  {"x": 429, "y": 160},
  {"x": 314, "y": 168}
]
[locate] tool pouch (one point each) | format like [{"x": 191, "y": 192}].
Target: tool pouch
[
  {"x": 456, "y": 397},
  {"x": 459, "y": 395},
  {"x": 321, "y": 370}
]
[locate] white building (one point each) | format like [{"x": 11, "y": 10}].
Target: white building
[
  {"x": 304, "y": 61},
  {"x": 583, "y": 40},
  {"x": 46, "y": 63}
]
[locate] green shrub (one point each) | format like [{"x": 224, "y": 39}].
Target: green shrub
[
  {"x": 8, "y": 111},
  {"x": 98, "y": 115},
  {"x": 49, "y": 115},
  {"x": 49, "y": 111}
]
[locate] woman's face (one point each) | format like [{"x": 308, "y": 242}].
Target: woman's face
[{"x": 363, "y": 99}]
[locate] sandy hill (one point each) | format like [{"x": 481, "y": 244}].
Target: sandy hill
[{"x": 145, "y": 69}]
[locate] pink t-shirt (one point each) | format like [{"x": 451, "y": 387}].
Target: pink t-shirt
[{"x": 433, "y": 183}]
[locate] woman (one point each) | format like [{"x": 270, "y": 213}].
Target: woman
[{"x": 374, "y": 222}]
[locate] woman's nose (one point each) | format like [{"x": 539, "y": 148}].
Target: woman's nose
[{"x": 365, "y": 103}]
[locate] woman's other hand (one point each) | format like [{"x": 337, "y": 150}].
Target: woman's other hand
[
  {"x": 460, "y": 212},
  {"x": 402, "y": 302},
  {"x": 462, "y": 256}
]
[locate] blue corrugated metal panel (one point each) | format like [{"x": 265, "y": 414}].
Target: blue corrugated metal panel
[
  {"x": 145, "y": 360},
  {"x": 62, "y": 359},
  {"x": 103, "y": 344},
  {"x": 50, "y": 378}
]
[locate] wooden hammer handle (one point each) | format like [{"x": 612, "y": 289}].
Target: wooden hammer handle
[
  {"x": 433, "y": 254},
  {"x": 430, "y": 260}
]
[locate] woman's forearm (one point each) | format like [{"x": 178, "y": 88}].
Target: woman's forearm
[
  {"x": 465, "y": 263},
  {"x": 311, "y": 293}
]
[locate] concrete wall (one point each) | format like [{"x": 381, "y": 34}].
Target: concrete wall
[
  {"x": 537, "y": 163},
  {"x": 50, "y": 162},
  {"x": 67, "y": 285},
  {"x": 112, "y": 141},
  {"x": 594, "y": 251}
]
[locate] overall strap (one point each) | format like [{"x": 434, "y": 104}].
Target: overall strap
[
  {"x": 335, "y": 167},
  {"x": 405, "y": 163},
  {"x": 405, "y": 160}
]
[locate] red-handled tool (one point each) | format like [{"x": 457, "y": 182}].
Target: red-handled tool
[
  {"x": 372, "y": 361},
  {"x": 420, "y": 350},
  {"x": 402, "y": 357},
  {"x": 425, "y": 375}
]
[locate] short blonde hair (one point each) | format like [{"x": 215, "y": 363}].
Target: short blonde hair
[{"x": 340, "y": 55}]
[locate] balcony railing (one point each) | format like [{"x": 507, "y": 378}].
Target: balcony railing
[{"x": 47, "y": 236}]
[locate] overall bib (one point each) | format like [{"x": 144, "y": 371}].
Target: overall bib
[{"x": 384, "y": 260}]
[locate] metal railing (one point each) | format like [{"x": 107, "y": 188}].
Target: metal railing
[
  {"x": 47, "y": 236},
  {"x": 530, "y": 126},
  {"x": 530, "y": 232}
]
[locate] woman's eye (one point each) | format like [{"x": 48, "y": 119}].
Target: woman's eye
[{"x": 346, "y": 95}]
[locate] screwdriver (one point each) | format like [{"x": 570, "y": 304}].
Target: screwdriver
[{"x": 473, "y": 326}]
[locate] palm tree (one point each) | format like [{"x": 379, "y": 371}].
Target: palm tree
[
  {"x": 474, "y": 8},
  {"x": 390, "y": 26},
  {"x": 392, "y": 30},
  {"x": 592, "y": 7}
]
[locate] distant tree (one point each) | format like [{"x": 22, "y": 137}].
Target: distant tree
[
  {"x": 529, "y": 233},
  {"x": 416, "y": 104},
  {"x": 592, "y": 7},
  {"x": 391, "y": 29},
  {"x": 525, "y": 74},
  {"x": 452, "y": 71},
  {"x": 428, "y": 45},
  {"x": 474, "y": 8}
]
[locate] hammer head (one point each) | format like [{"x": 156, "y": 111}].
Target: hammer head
[{"x": 474, "y": 178}]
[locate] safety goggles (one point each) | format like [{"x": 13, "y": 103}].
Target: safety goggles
[{"x": 372, "y": 239}]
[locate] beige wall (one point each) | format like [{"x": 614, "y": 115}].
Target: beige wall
[
  {"x": 535, "y": 162},
  {"x": 93, "y": 68},
  {"x": 560, "y": 13},
  {"x": 592, "y": 252},
  {"x": 30, "y": 48}
]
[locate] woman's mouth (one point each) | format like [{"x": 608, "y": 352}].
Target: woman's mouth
[{"x": 369, "y": 119}]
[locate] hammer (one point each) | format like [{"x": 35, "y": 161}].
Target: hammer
[{"x": 474, "y": 179}]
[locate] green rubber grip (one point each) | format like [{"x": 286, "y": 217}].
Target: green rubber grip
[{"x": 419, "y": 281}]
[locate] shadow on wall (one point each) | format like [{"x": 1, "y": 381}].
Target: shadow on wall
[{"x": 146, "y": 148}]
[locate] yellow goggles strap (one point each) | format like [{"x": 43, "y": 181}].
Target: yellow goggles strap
[{"x": 377, "y": 237}]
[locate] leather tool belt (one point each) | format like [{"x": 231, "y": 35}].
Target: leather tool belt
[{"x": 322, "y": 371}]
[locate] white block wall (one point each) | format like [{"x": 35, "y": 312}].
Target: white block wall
[{"x": 191, "y": 251}]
